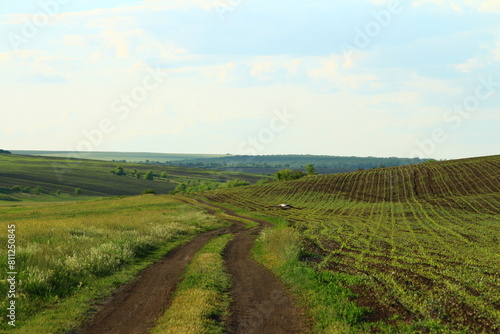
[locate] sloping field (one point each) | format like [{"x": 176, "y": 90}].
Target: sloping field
[
  {"x": 94, "y": 177},
  {"x": 425, "y": 238}
]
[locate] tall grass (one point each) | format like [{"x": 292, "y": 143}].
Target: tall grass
[
  {"x": 201, "y": 301},
  {"x": 62, "y": 249}
]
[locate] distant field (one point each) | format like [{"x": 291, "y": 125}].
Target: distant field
[
  {"x": 119, "y": 156},
  {"x": 425, "y": 239},
  {"x": 95, "y": 178}
]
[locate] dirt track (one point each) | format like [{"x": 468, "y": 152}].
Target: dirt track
[{"x": 261, "y": 304}]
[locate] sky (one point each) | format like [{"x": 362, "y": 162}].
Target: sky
[{"x": 401, "y": 78}]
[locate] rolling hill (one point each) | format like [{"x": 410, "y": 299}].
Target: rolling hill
[
  {"x": 95, "y": 178},
  {"x": 424, "y": 237}
]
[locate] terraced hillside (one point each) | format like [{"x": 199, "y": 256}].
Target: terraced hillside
[
  {"x": 425, "y": 238},
  {"x": 94, "y": 177}
]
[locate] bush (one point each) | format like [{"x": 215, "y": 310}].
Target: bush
[
  {"x": 17, "y": 188},
  {"x": 263, "y": 181},
  {"x": 149, "y": 191},
  {"x": 181, "y": 188}
]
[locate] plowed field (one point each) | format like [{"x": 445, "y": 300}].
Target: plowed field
[{"x": 425, "y": 237}]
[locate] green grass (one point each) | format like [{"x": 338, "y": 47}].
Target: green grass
[
  {"x": 201, "y": 301},
  {"x": 69, "y": 254},
  {"x": 324, "y": 294},
  {"x": 425, "y": 239},
  {"x": 93, "y": 177}
]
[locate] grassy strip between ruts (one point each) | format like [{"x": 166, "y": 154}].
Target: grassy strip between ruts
[{"x": 202, "y": 300}]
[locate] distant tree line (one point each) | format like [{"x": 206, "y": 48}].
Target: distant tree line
[
  {"x": 295, "y": 162},
  {"x": 149, "y": 175},
  {"x": 5, "y": 152}
]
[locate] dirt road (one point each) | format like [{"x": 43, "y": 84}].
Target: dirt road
[{"x": 261, "y": 304}]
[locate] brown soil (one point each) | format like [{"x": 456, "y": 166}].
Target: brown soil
[{"x": 260, "y": 303}]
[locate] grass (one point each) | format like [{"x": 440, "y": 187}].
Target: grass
[
  {"x": 323, "y": 294},
  {"x": 67, "y": 254},
  {"x": 424, "y": 239},
  {"x": 201, "y": 301}
]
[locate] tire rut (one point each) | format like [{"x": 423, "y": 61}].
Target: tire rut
[
  {"x": 135, "y": 307},
  {"x": 260, "y": 302}
]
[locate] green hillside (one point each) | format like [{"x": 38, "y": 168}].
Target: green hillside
[
  {"x": 118, "y": 156},
  {"x": 424, "y": 238},
  {"x": 94, "y": 177}
]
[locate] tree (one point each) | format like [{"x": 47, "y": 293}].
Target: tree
[
  {"x": 78, "y": 191},
  {"x": 288, "y": 174},
  {"x": 311, "y": 170},
  {"x": 163, "y": 175},
  {"x": 119, "y": 171},
  {"x": 149, "y": 175},
  {"x": 149, "y": 191}
]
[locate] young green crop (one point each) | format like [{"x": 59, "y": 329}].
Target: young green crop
[{"x": 425, "y": 238}]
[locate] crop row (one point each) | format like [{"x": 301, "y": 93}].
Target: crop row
[{"x": 426, "y": 237}]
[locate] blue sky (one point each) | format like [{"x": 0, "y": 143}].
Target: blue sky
[{"x": 364, "y": 77}]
